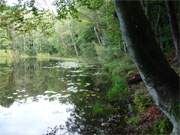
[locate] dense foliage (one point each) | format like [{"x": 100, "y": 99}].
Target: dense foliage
[{"x": 89, "y": 29}]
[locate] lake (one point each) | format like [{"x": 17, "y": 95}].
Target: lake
[
  {"x": 55, "y": 97},
  {"x": 34, "y": 96}
]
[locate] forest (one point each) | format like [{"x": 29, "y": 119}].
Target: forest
[{"x": 89, "y": 67}]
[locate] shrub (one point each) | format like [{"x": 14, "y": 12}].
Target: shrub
[
  {"x": 100, "y": 109},
  {"x": 134, "y": 120},
  {"x": 118, "y": 90},
  {"x": 141, "y": 101}
]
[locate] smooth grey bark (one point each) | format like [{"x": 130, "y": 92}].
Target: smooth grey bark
[
  {"x": 74, "y": 44},
  {"x": 97, "y": 36},
  {"x": 160, "y": 79},
  {"x": 98, "y": 31},
  {"x": 175, "y": 28},
  {"x": 73, "y": 40}
]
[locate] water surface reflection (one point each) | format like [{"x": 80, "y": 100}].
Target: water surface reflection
[
  {"x": 29, "y": 117},
  {"x": 34, "y": 96}
]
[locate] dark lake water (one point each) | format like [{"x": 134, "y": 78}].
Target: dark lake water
[{"x": 43, "y": 98}]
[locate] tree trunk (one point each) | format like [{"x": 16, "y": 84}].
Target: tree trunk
[
  {"x": 97, "y": 36},
  {"x": 73, "y": 41},
  {"x": 175, "y": 28},
  {"x": 160, "y": 79}
]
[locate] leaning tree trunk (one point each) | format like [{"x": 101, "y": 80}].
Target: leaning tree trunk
[
  {"x": 160, "y": 79},
  {"x": 175, "y": 28}
]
